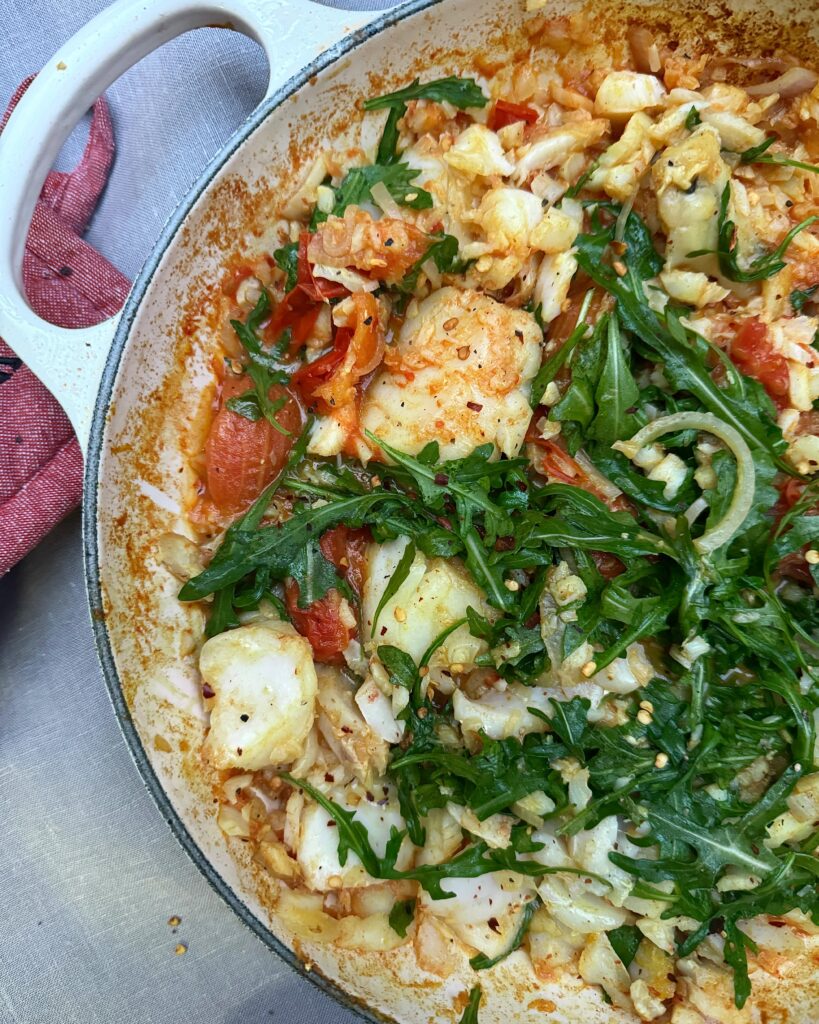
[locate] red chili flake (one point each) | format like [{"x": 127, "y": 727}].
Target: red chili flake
[
  {"x": 328, "y": 777},
  {"x": 208, "y": 691},
  {"x": 494, "y": 925},
  {"x": 474, "y": 406},
  {"x": 383, "y": 630}
]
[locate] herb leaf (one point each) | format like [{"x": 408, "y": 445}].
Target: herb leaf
[
  {"x": 470, "y": 1014},
  {"x": 481, "y": 962},
  {"x": 402, "y": 916},
  {"x": 460, "y": 92}
]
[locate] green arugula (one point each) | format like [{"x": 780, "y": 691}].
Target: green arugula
[
  {"x": 626, "y": 939},
  {"x": 798, "y": 298},
  {"x": 287, "y": 260},
  {"x": 460, "y": 92},
  {"x": 470, "y": 1014},
  {"x": 401, "y": 916},
  {"x": 481, "y": 962},
  {"x": 443, "y": 251},
  {"x": 684, "y": 366},
  {"x": 761, "y": 267},
  {"x": 760, "y": 155},
  {"x": 396, "y": 581},
  {"x": 264, "y": 369},
  {"x": 692, "y": 119}
]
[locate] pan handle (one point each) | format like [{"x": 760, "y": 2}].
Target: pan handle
[{"x": 293, "y": 33}]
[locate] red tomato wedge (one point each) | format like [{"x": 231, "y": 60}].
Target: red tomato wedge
[
  {"x": 242, "y": 457},
  {"x": 331, "y": 380},
  {"x": 608, "y": 565},
  {"x": 753, "y": 355},
  {"x": 315, "y": 288},
  {"x": 321, "y": 623},
  {"x": 505, "y": 113},
  {"x": 346, "y": 549}
]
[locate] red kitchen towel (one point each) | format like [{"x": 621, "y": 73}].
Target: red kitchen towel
[{"x": 68, "y": 283}]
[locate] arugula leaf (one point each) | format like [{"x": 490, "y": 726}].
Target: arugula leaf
[
  {"x": 627, "y": 937},
  {"x": 616, "y": 393},
  {"x": 798, "y": 298},
  {"x": 397, "y": 580},
  {"x": 684, "y": 368},
  {"x": 287, "y": 259},
  {"x": 401, "y": 916},
  {"x": 470, "y": 1014},
  {"x": 356, "y": 188},
  {"x": 246, "y": 405},
  {"x": 569, "y": 722},
  {"x": 758, "y": 269},
  {"x": 400, "y": 666},
  {"x": 582, "y": 181},
  {"x": 760, "y": 155},
  {"x": 314, "y": 574},
  {"x": 263, "y": 370},
  {"x": 443, "y": 251},
  {"x": 549, "y": 370},
  {"x": 388, "y": 146},
  {"x": 460, "y": 92},
  {"x": 471, "y": 862},
  {"x": 481, "y": 962},
  {"x": 277, "y": 547},
  {"x": 691, "y": 121}
]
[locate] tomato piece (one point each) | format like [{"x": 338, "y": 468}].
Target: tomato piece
[
  {"x": 346, "y": 549},
  {"x": 331, "y": 380},
  {"x": 310, "y": 377},
  {"x": 790, "y": 491},
  {"x": 794, "y": 567},
  {"x": 296, "y": 312},
  {"x": 242, "y": 456},
  {"x": 560, "y": 467},
  {"x": 608, "y": 565},
  {"x": 315, "y": 288},
  {"x": 320, "y": 623},
  {"x": 505, "y": 113},
  {"x": 753, "y": 355},
  {"x": 383, "y": 249}
]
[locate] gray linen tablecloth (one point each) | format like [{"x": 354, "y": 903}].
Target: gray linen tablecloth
[{"x": 89, "y": 873}]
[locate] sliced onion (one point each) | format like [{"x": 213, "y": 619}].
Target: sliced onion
[
  {"x": 384, "y": 200},
  {"x": 695, "y": 510},
  {"x": 743, "y": 496},
  {"x": 644, "y": 49},
  {"x": 350, "y": 279},
  {"x": 602, "y": 484},
  {"x": 793, "y": 82},
  {"x": 622, "y": 218}
]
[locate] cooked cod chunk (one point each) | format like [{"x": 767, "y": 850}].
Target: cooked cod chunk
[
  {"x": 690, "y": 177},
  {"x": 460, "y": 375},
  {"x": 344, "y": 728},
  {"x": 435, "y": 594},
  {"x": 317, "y": 847},
  {"x": 500, "y": 897},
  {"x": 478, "y": 152},
  {"x": 623, "y": 93},
  {"x": 264, "y": 685}
]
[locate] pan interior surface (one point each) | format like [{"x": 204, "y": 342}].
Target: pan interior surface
[{"x": 150, "y": 426}]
